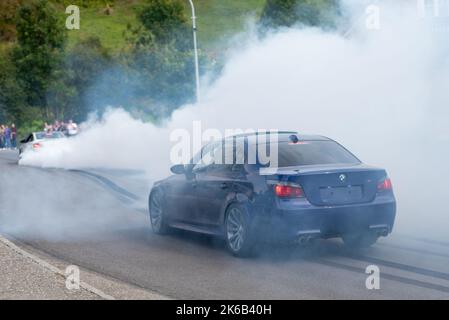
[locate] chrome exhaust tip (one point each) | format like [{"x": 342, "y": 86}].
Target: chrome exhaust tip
[
  {"x": 302, "y": 240},
  {"x": 381, "y": 230},
  {"x": 306, "y": 237}
]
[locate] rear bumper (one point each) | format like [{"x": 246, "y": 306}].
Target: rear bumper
[{"x": 288, "y": 221}]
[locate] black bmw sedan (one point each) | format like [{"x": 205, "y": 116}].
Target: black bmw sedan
[{"x": 314, "y": 188}]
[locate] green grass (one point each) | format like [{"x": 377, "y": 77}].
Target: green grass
[
  {"x": 217, "y": 20},
  {"x": 5, "y": 46},
  {"x": 220, "y": 19},
  {"x": 109, "y": 28}
]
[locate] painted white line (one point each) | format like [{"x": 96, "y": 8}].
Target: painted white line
[{"x": 52, "y": 268}]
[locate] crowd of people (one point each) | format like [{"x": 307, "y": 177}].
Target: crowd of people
[
  {"x": 69, "y": 128},
  {"x": 8, "y": 136}
]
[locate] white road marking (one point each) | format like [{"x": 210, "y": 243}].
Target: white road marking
[{"x": 52, "y": 268}]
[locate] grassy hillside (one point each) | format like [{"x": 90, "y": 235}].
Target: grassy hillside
[
  {"x": 68, "y": 94},
  {"x": 217, "y": 19}
]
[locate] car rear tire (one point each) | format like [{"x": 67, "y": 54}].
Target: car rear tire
[
  {"x": 360, "y": 240},
  {"x": 157, "y": 214},
  {"x": 238, "y": 235}
]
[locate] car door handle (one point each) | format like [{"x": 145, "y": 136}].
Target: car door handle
[{"x": 224, "y": 185}]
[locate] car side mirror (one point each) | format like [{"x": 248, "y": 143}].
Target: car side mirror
[{"x": 178, "y": 169}]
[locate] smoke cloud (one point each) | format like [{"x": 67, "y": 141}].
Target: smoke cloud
[{"x": 381, "y": 93}]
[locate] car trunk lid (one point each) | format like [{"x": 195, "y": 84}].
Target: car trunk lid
[{"x": 329, "y": 185}]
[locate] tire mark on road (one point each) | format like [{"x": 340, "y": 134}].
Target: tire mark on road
[
  {"x": 413, "y": 282},
  {"x": 421, "y": 251},
  {"x": 109, "y": 184},
  {"x": 400, "y": 266},
  {"x": 426, "y": 240}
]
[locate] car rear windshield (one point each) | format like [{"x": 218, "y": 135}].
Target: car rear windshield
[
  {"x": 53, "y": 135},
  {"x": 307, "y": 153}
]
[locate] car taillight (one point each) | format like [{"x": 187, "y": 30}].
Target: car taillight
[
  {"x": 288, "y": 191},
  {"x": 385, "y": 185},
  {"x": 36, "y": 145}
]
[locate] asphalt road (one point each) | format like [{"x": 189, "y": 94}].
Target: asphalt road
[{"x": 91, "y": 220}]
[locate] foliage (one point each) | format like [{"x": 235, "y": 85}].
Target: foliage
[
  {"x": 218, "y": 21},
  {"x": 161, "y": 56},
  {"x": 40, "y": 38},
  {"x": 27, "y": 127},
  {"x": 84, "y": 3},
  {"x": 12, "y": 98},
  {"x": 149, "y": 72},
  {"x": 13, "y": 108},
  {"x": 286, "y": 13},
  {"x": 164, "y": 73},
  {"x": 166, "y": 20},
  {"x": 83, "y": 65}
]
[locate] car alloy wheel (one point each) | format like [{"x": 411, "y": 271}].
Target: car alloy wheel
[{"x": 237, "y": 231}]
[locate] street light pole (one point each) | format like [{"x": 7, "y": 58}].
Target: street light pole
[{"x": 195, "y": 47}]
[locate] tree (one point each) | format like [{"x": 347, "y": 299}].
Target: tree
[
  {"x": 41, "y": 37},
  {"x": 166, "y": 21},
  {"x": 165, "y": 73},
  {"x": 83, "y": 66},
  {"x": 160, "y": 61},
  {"x": 12, "y": 98},
  {"x": 286, "y": 13}
]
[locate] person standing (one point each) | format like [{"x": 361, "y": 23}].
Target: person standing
[
  {"x": 72, "y": 128},
  {"x": 7, "y": 135},
  {"x": 2, "y": 137},
  {"x": 56, "y": 125},
  {"x": 14, "y": 136}
]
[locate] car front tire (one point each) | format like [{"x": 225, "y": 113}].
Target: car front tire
[{"x": 157, "y": 213}]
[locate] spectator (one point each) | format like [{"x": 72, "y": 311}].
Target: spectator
[
  {"x": 14, "y": 136},
  {"x": 56, "y": 125},
  {"x": 48, "y": 128},
  {"x": 72, "y": 128},
  {"x": 7, "y": 135},
  {"x": 2, "y": 137},
  {"x": 62, "y": 127}
]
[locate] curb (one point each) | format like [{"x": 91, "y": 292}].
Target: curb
[{"x": 52, "y": 268}]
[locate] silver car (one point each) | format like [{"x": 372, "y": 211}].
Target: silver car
[{"x": 36, "y": 140}]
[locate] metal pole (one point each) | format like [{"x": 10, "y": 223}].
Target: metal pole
[{"x": 195, "y": 47}]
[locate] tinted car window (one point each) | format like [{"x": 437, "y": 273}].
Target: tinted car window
[
  {"x": 53, "y": 135},
  {"x": 221, "y": 156},
  {"x": 206, "y": 157},
  {"x": 313, "y": 153}
]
